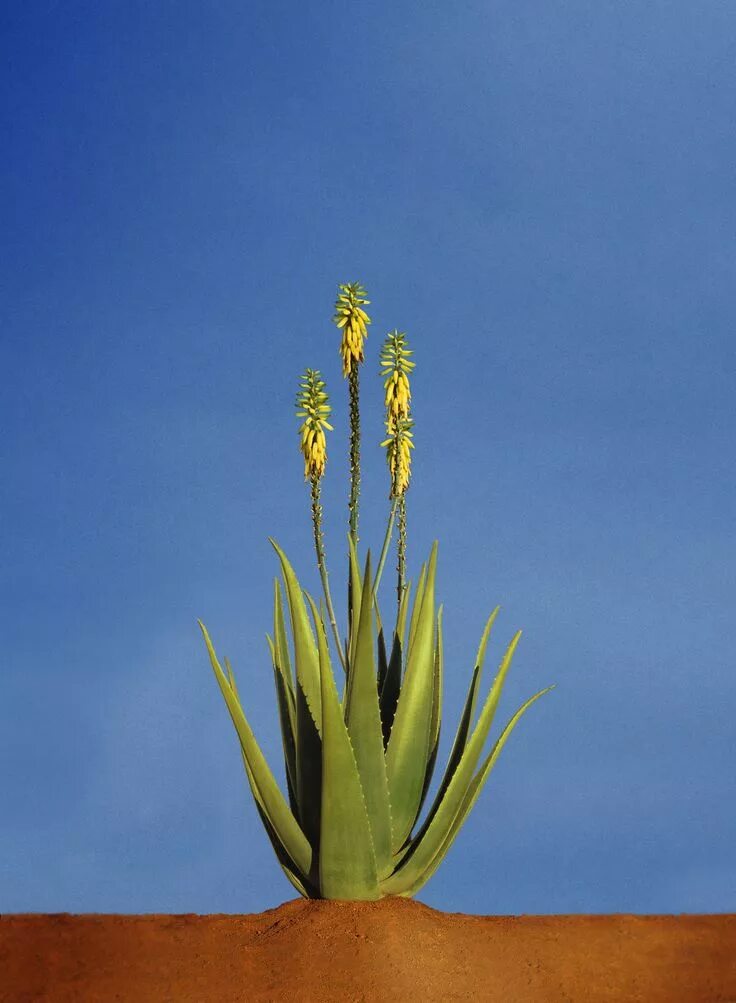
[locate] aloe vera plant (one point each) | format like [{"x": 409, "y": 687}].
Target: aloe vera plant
[{"x": 358, "y": 764}]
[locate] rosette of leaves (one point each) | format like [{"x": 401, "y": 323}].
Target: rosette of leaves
[{"x": 358, "y": 765}]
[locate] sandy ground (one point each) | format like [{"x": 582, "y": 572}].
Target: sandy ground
[{"x": 396, "y": 949}]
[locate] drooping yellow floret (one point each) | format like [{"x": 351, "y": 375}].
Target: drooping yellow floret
[{"x": 398, "y": 453}]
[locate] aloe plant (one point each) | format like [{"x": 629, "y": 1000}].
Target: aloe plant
[{"x": 358, "y": 764}]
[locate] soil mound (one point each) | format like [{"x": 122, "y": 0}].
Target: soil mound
[{"x": 361, "y": 952}]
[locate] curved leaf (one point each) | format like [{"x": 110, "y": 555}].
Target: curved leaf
[
  {"x": 273, "y": 801},
  {"x": 473, "y": 791},
  {"x": 390, "y": 686},
  {"x": 463, "y": 728},
  {"x": 280, "y": 640},
  {"x": 417, "y": 606},
  {"x": 298, "y": 880},
  {"x": 305, "y": 648},
  {"x": 308, "y": 770},
  {"x": 436, "y": 723},
  {"x": 287, "y": 718},
  {"x": 409, "y": 745},
  {"x": 422, "y": 852},
  {"x": 382, "y": 660}
]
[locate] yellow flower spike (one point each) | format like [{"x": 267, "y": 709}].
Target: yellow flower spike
[
  {"x": 398, "y": 453},
  {"x": 353, "y": 321},
  {"x": 395, "y": 367},
  {"x": 312, "y": 405}
]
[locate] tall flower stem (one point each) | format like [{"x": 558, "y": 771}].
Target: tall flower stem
[
  {"x": 353, "y": 321},
  {"x": 354, "y": 390},
  {"x": 396, "y": 367},
  {"x": 401, "y": 550},
  {"x": 386, "y": 544},
  {"x": 322, "y": 563},
  {"x": 354, "y": 393}
]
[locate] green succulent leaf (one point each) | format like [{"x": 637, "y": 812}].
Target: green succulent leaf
[
  {"x": 417, "y": 606},
  {"x": 436, "y": 709},
  {"x": 473, "y": 791},
  {"x": 408, "y": 748},
  {"x": 287, "y": 722},
  {"x": 282, "y": 820},
  {"x": 463, "y": 728},
  {"x": 347, "y": 862},
  {"x": 363, "y": 719},
  {"x": 305, "y": 648},
  {"x": 308, "y": 769},
  {"x": 390, "y": 689},
  {"x": 298, "y": 880},
  {"x": 423, "y": 851},
  {"x": 382, "y": 660},
  {"x": 389, "y": 686},
  {"x": 280, "y": 640}
]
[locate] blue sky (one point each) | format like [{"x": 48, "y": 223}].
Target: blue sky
[{"x": 542, "y": 195}]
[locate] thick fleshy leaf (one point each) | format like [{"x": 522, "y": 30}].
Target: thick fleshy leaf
[
  {"x": 308, "y": 771},
  {"x": 274, "y": 804},
  {"x": 363, "y": 719},
  {"x": 347, "y": 862},
  {"x": 305, "y": 647},
  {"x": 389, "y": 695},
  {"x": 417, "y": 606},
  {"x": 463, "y": 728},
  {"x": 287, "y": 720},
  {"x": 422, "y": 852},
  {"x": 280, "y": 640},
  {"x": 390, "y": 687},
  {"x": 409, "y": 745},
  {"x": 308, "y": 753},
  {"x": 436, "y": 709},
  {"x": 298, "y": 880},
  {"x": 382, "y": 661},
  {"x": 473, "y": 792}
]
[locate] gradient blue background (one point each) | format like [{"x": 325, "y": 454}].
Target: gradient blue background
[{"x": 543, "y": 196}]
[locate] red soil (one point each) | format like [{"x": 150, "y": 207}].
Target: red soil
[{"x": 395, "y": 949}]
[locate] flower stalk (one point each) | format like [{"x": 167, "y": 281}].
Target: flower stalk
[
  {"x": 313, "y": 406},
  {"x": 353, "y": 321},
  {"x": 401, "y": 552},
  {"x": 396, "y": 367}
]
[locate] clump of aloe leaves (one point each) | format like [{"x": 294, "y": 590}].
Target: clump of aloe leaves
[{"x": 358, "y": 764}]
